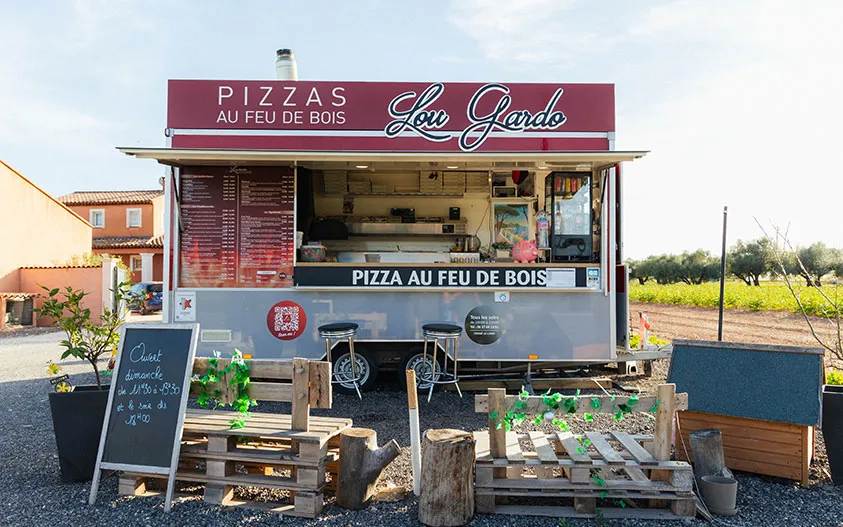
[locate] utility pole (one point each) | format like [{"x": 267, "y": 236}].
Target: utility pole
[{"x": 722, "y": 277}]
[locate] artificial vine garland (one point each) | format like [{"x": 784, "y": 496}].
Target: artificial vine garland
[
  {"x": 239, "y": 379},
  {"x": 557, "y": 403}
]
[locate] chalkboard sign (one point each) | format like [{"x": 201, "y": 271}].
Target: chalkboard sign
[
  {"x": 755, "y": 381},
  {"x": 146, "y": 402}
]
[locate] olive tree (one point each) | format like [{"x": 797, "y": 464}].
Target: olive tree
[{"x": 751, "y": 260}]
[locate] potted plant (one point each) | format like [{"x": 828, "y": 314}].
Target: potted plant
[
  {"x": 832, "y": 424},
  {"x": 502, "y": 249},
  {"x": 78, "y": 411}
]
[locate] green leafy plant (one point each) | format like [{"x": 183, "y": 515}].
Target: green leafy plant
[
  {"x": 654, "y": 340},
  {"x": 237, "y": 373},
  {"x": 834, "y": 377},
  {"x": 85, "y": 338},
  {"x": 557, "y": 404}
]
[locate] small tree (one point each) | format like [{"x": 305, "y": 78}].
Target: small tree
[
  {"x": 665, "y": 268},
  {"x": 639, "y": 270},
  {"x": 814, "y": 262},
  {"x": 86, "y": 340},
  {"x": 698, "y": 267},
  {"x": 784, "y": 254},
  {"x": 749, "y": 261}
]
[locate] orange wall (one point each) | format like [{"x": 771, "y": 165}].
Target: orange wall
[
  {"x": 115, "y": 220},
  {"x": 158, "y": 215},
  {"x": 37, "y": 229},
  {"x": 88, "y": 279}
]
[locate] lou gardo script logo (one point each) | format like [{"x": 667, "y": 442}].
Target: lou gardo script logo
[{"x": 417, "y": 113}]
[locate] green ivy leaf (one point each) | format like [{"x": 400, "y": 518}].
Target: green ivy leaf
[
  {"x": 520, "y": 405},
  {"x": 603, "y": 494},
  {"x": 537, "y": 420},
  {"x": 493, "y": 415},
  {"x": 632, "y": 401},
  {"x": 619, "y": 415},
  {"x": 561, "y": 424},
  {"x": 595, "y": 402},
  {"x": 588, "y": 417}
]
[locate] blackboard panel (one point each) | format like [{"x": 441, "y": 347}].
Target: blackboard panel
[
  {"x": 756, "y": 381},
  {"x": 147, "y": 393}
]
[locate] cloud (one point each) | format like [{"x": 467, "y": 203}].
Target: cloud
[
  {"x": 738, "y": 100},
  {"x": 519, "y": 31}
]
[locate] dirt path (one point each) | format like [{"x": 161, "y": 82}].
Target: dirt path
[{"x": 700, "y": 323}]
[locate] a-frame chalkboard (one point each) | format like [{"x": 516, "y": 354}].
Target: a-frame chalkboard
[{"x": 146, "y": 404}]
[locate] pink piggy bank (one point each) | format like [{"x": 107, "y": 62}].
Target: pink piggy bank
[{"x": 525, "y": 251}]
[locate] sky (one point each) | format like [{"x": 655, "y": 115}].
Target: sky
[{"x": 738, "y": 101}]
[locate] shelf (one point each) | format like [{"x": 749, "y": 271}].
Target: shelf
[
  {"x": 403, "y": 194},
  {"x": 525, "y": 199}
]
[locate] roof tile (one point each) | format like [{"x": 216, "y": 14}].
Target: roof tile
[
  {"x": 128, "y": 242},
  {"x": 110, "y": 197}
]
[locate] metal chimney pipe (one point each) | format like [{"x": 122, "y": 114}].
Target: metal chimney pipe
[{"x": 285, "y": 65}]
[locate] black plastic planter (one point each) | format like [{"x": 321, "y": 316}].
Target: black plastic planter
[
  {"x": 833, "y": 430},
  {"x": 77, "y": 424}
]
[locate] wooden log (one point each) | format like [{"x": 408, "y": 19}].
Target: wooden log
[
  {"x": 361, "y": 463},
  {"x": 447, "y": 478},
  {"x": 707, "y": 449},
  {"x": 663, "y": 436}
]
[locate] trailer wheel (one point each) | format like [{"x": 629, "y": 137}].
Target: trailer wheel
[
  {"x": 414, "y": 361},
  {"x": 363, "y": 366}
]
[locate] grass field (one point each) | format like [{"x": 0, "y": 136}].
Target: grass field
[{"x": 769, "y": 296}]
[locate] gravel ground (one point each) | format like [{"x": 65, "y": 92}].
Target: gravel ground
[{"x": 33, "y": 494}]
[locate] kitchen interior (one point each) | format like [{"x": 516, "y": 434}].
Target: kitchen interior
[{"x": 363, "y": 214}]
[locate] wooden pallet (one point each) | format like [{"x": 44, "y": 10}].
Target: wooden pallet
[
  {"x": 615, "y": 468},
  {"x": 296, "y": 453},
  {"x": 562, "y": 474},
  {"x": 265, "y": 454}
]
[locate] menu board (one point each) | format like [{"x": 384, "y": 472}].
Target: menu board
[
  {"x": 237, "y": 227},
  {"x": 146, "y": 403}
]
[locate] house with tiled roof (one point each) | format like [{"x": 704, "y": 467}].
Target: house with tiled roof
[
  {"x": 37, "y": 232},
  {"x": 128, "y": 224}
]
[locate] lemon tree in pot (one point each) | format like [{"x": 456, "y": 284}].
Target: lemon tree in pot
[{"x": 78, "y": 411}]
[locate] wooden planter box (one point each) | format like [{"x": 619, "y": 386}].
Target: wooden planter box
[{"x": 762, "y": 447}]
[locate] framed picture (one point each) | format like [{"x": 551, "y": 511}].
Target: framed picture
[{"x": 512, "y": 221}]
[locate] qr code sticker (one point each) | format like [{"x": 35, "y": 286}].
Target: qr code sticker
[{"x": 287, "y": 319}]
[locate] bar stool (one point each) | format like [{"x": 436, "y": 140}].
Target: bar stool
[
  {"x": 338, "y": 331},
  {"x": 447, "y": 333}
]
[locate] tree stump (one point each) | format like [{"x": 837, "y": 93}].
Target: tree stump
[
  {"x": 361, "y": 463},
  {"x": 447, "y": 478},
  {"x": 707, "y": 449}
]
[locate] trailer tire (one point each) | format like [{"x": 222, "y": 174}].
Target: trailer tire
[
  {"x": 365, "y": 367},
  {"x": 413, "y": 360}
]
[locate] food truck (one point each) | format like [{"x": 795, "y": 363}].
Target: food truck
[{"x": 493, "y": 206}]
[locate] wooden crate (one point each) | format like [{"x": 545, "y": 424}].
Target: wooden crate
[
  {"x": 762, "y": 447},
  {"x": 563, "y": 475},
  {"x": 297, "y": 453}
]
